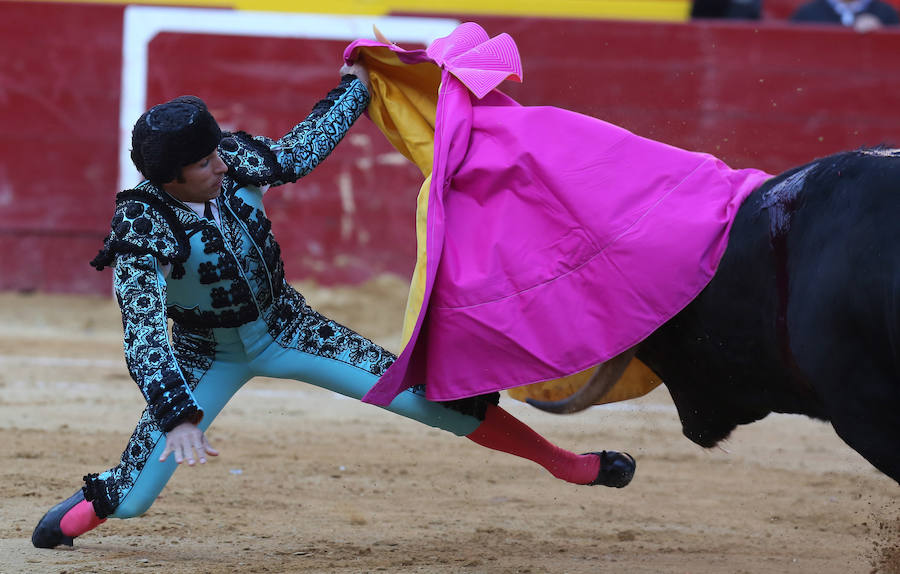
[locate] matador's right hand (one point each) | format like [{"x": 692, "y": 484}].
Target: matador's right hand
[{"x": 184, "y": 440}]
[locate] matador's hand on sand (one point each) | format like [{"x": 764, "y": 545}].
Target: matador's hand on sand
[{"x": 184, "y": 440}]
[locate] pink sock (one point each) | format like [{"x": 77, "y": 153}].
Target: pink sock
[
  {"x": 79, "y": 519},
  {"x": 502, "y": 431}
]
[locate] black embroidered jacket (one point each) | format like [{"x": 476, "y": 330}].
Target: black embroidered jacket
[{"x": 217, "y": 277}]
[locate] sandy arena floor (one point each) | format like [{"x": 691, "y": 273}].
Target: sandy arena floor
[{"x": 311, "y": 482}]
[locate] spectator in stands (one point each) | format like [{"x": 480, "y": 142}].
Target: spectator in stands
[
  {"x": 734, "y": 9},
  {"x": 861, "y": 15},
  {"x": 192, "y": 244}
]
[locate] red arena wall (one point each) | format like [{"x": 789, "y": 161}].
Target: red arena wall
[{"x": 761, "y": 94}]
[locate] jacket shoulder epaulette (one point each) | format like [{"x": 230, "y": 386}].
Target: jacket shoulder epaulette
[{"x": 143, "y": 225}]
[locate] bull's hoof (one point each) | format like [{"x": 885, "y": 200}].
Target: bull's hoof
[
  {"x": 48, "y": 534},
  {"x": 616, "y": 468}
]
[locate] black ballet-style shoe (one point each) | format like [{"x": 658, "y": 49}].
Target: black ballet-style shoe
[
  {"x": 616, "y": 468},
  {"x": 48, "y": 534}
]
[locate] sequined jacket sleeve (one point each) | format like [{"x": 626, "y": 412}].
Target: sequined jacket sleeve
[
  {"x": 262, "y": 161},
  {"x": 141, "y": 292}
]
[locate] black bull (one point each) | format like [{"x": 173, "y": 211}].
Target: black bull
[{"x": 802, "y": 316}]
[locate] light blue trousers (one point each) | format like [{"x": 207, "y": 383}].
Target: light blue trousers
[{"x": 241, "y": 354}]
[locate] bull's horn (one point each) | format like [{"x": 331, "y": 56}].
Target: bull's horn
[
  {"x": 608, "y": 373},
  {"x": 379, "y": 36}
]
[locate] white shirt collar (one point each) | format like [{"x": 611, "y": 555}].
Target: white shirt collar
[{"x": 199, "y": 207}]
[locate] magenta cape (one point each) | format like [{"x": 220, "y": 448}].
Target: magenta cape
[{"x": 554, "y": 240}]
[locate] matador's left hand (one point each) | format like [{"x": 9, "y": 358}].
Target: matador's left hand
[{"x": 184, "y": 440}]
